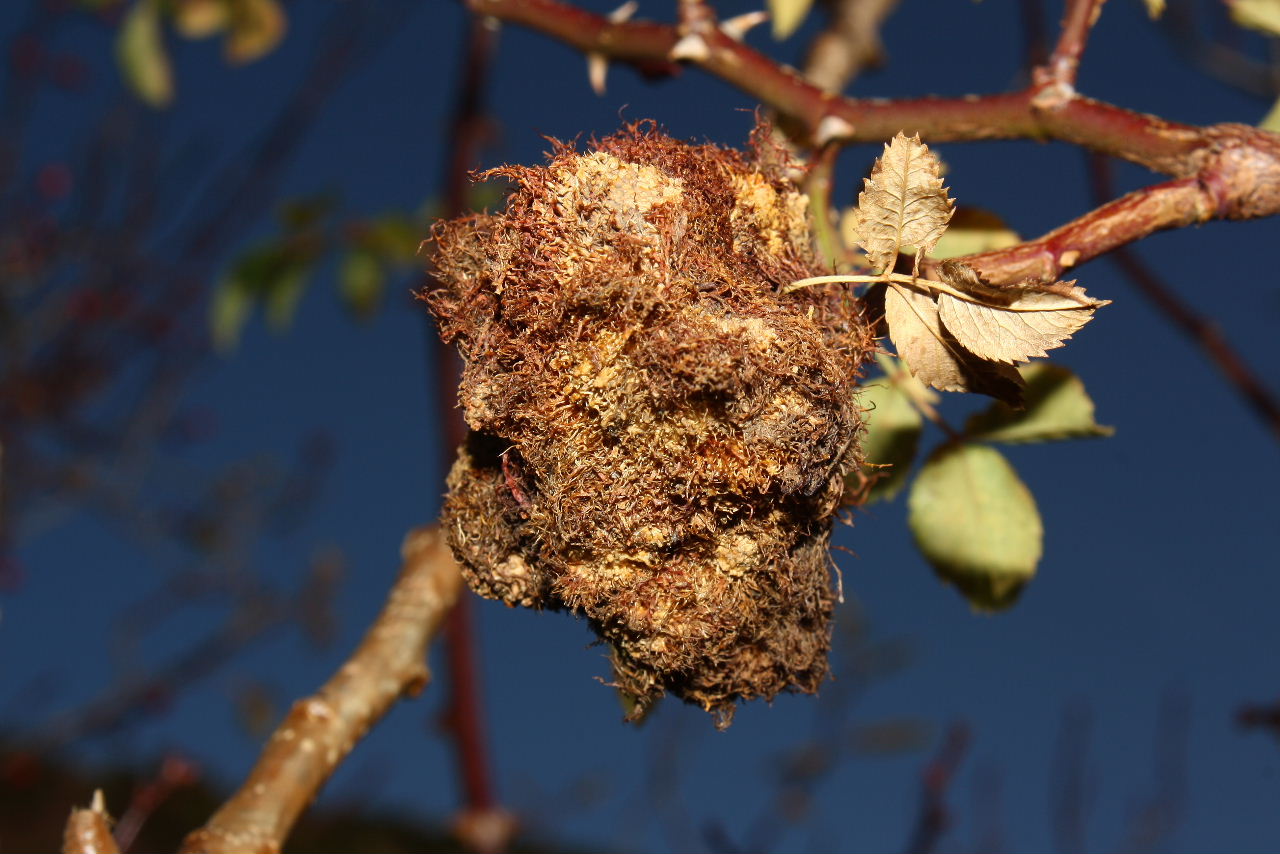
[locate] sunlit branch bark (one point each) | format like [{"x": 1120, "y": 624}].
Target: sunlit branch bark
[
  {"x": 88, "y": 831},
  {"x": 322, "y": 729},
  {"x": 1131, "y": 217}
]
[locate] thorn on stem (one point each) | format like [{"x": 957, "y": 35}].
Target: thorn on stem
[
  {"x": 830, "y": 129},
  {"x": 597, "y": 71},
  {"x": 738, "y": 26},
  {"x": 692, "y": 47}
]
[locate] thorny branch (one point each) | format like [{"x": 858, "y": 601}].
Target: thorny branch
[
  {"x": 1202, "y": 332},
  {"x": 322, "y": 729},
  {"x": 1223, "y": 171}
]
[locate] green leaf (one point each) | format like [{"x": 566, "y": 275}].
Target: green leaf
[
  {"x": 1271, "y": 121},
  {"x": 1261, "y": 15},
  {"x": 1057, "y": 408},
  {"x": 891, "y": 439},
  {"x": 230, "y": 310},
  {"x": 256, "y": 27},
  {"x": 280, "y": 302},
  {"x": 200, "y": 19},
  {"x": 306, "y": 212},
  {"x": 787, "y": 16},
  {"x": 976, "y": 523},
  {"x": 361, "y": 281},
  {"x": 273, "y": 276},
  {"x": 393, "y": 237},
  {"x": 974, "y": 230},
  {"x": 141, "y": 54}
]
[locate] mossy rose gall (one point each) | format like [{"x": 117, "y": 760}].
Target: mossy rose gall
[{"x": 660, "y": 433}]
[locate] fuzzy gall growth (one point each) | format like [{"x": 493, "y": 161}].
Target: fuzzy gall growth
[{"x": 660, "y": 434}]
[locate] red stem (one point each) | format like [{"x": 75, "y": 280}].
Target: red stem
[{"x": 464, "y": 714}]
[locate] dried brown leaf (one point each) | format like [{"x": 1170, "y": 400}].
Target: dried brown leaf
[
  {"x": 902, "y": 203},
  {"x": 934, "y": 355},
  {"x": 1013, "y": 324}
]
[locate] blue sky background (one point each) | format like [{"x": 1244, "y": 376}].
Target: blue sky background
[{"x": 1160, "y": 577}]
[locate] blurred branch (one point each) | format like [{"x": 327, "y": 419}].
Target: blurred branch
[
  {"x": 175, "y": 773},
  {"x": 1260, "y": 717},
  {"x": 1153, "y": 822},
  {"x": 481, "y": 824},
  {"x": 1071, "y": 796},
  {"x": 850, "y": 43},
  {"x": 321, "y": 730},
  {"x": 87, "y": 830},
  {"x": 119, "y": 705},
  {"x": 1215, "y": 58},
  {"x": 245, "y": 187},
  {"x": 934, "y": 817}
]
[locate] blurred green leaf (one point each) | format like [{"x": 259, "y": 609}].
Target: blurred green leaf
[
  {"x": 255, "y": 28},
  {"x": 228, "y": 313},
  {"x": 273, "y": 276},
  {"x": 1271, "y": 121},
  {"x": 306, "y": 212},
  {"x": 974, "y": 230},
  {"x": 1057, "y": 408},
  {"x": 976, "y": 523},
  {"x": 361, "y": 281},
  {"x": 1261, "y": 15},
  {"x": 141, "y": 55},
  {"x": 787, "y": 15},
  {"x": 392, "y": 237},
  {"x": 488, "y": 193},
  {"x": 892, "y": 437},
  {"x": 200, "y": 19},
  {"x": 280, "y": 302}
]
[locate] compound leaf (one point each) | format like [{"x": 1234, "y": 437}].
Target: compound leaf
[
  {"x": 1012, "y": 324},
  {"x": 934, "y": 355}
]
